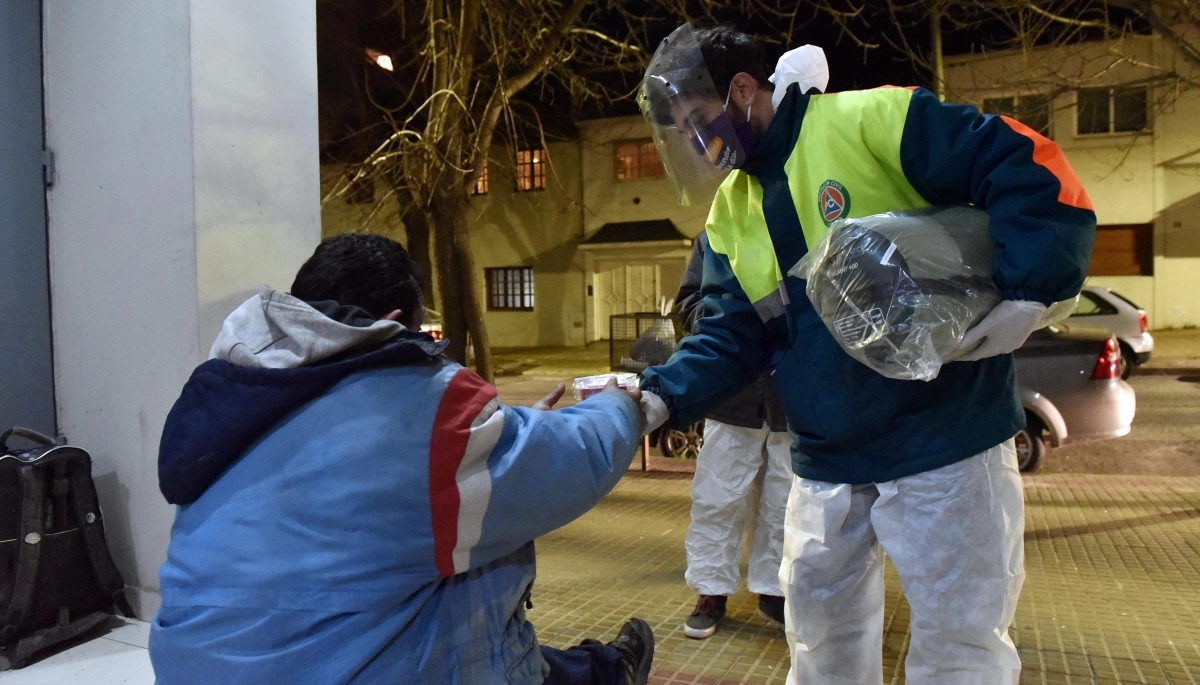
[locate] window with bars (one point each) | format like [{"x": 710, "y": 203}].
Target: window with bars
[
  {"x": 1031, "y": 110},
  {"x": 636, "y": 159},
  {"x": 481, "y": 184},
  {"x": 531, "y": 170},
  {"x": 509, "y": 289},
  {"x": 1112, "y": 110}
]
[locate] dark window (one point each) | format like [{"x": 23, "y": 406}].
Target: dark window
[
  {"x": 1112, "y": 110},
  {"x": 531, "y": 170},
  {"x": 1034, "y": 112},
  {"x": 1000, "y": 106},
  {"x": 1093, "y": 305},
  {"x": 1130, "y": 110},
  {"x": 1123, "y": 250},
  {"x": 636, "y": 159},
  {"x": 481, "y": 184},
  {"x": 509, "y": 288},
  {"x": 1031, "y": 110}
]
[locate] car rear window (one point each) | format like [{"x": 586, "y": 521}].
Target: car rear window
[
  {"x": 1091, "y": 304},
  {"x": 1124, "y": 299}
]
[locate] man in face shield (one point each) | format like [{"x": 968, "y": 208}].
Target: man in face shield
[{"x": 925, "y": 472}]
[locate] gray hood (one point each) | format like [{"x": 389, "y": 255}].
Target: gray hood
[{"x": 274, "y": 330}]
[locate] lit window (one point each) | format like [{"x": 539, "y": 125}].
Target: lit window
[
  {"x": 531, "y": 170},
  {"x": 1112, "y": 110},
  {"x": 509, "y": 288},
  {"x": 636, "y": 159},
  {"x": 1031, "y": 110},
  {"x": 481, "y": 184}
]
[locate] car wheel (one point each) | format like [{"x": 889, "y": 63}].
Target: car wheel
[
  {"x": 685, "y": 443},
  {"x": 1127, "y": 358},
  {"x": 1030, "y": 443}
]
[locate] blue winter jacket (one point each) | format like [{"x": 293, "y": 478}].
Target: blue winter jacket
[{"x": 367, "y": 519}]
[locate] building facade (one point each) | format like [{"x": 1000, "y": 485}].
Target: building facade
[
  {"x": 563, "y": 237},
  {"x": 591, "y": 227},
  {"x": 1131, "y": 130}
]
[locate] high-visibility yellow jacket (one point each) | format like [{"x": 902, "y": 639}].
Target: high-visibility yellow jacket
[{"x": 855, "y": 154}]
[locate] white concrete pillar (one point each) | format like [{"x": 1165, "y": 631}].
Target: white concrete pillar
[{"x": 185, "y": 140}]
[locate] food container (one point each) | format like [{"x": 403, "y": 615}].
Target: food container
[{"x": 587, "y": 386}]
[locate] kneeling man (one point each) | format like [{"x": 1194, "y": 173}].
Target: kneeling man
[{"x": 354, "y": 507}]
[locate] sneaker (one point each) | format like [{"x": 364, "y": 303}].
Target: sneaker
[
  {"x": 703, "y": 621},
  {"x": 770, "y": 607},
  {"x": 635, "y": 643}
]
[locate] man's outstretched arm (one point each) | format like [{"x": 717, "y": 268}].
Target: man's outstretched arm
[{"x": 501, "y": 476}]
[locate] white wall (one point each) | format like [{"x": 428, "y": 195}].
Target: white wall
[
  {"x": 255, "y": 134},
  {"x": 185, "y": 137}
]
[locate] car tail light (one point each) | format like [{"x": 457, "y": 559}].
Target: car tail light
[
  {"x": 1108, "y": 365},
  {"x": 1142, "y": 321}
]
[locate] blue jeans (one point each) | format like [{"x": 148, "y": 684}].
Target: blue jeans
[{"x": 590, "y": 663}]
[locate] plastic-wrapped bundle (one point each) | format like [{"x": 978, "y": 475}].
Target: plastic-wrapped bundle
[
  {"x": 898, "y": 291},
  {"x": 653, "y": 347}
]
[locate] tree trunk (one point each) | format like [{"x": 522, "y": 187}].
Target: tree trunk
[
  {"x": 462, "y": 314},
  {"x": 416, "y": 231},
  {"x": 472, "y": 308}
]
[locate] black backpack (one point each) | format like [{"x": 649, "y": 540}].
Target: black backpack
[{"x": 57, "y": 580}]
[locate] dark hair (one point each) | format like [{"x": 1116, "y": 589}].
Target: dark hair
[
  {"x": 728, "y": 52},
  {"x": 362, "y": 270}
]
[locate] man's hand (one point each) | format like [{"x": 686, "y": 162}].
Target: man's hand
[
  {"x": 653, "y": 409},
  {"x": 548, "y": 402},
  {"x": 613, "y": 386},
  {"x": 1003, "y": 330}
]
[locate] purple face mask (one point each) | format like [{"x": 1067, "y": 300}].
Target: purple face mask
[{"x": 724, "y": 144}]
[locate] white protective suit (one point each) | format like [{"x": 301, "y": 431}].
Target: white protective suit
[
  {"x": 732, "y": 459},
  {"x": 955, "y": 536}
]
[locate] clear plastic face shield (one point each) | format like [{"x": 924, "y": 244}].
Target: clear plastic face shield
[{"x": 696, "y": 139}]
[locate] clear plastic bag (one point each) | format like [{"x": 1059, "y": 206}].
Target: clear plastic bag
[
  {"x": 587, "y": 386},
  {"x": 899, "y": 290},
  {"x": 653, "y": 347}
]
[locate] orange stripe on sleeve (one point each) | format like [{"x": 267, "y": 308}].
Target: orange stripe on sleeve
[{"x": 1050, "y": 156}]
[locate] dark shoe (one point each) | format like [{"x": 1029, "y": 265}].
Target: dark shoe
[
  {"x": 635, "y": 643},
  {"x": 703, "y": 621},
  {"x": 770, "y": 607}
]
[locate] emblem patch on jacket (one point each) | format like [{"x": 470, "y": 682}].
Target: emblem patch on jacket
[{"x": 833, "y": 200}]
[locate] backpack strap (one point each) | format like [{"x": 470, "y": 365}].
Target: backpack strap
[
  {"x": 28, "y": 434},
  {"x": 87, "y": 511},
  {"x": 33, "y": 492}
]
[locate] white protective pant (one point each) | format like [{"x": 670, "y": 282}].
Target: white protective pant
[
  {"x": 730, "y": 462},
  {"x": 955, "y": 536}
]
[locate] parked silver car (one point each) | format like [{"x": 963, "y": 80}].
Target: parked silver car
[
  {"x": 1106, "y": 308},
  {"x": 1070, "y": 383}
]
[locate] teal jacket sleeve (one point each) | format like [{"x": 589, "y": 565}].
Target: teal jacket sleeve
[
  {"x": 1041, "y": 217},
  {"x": 725, "y": 352}
]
